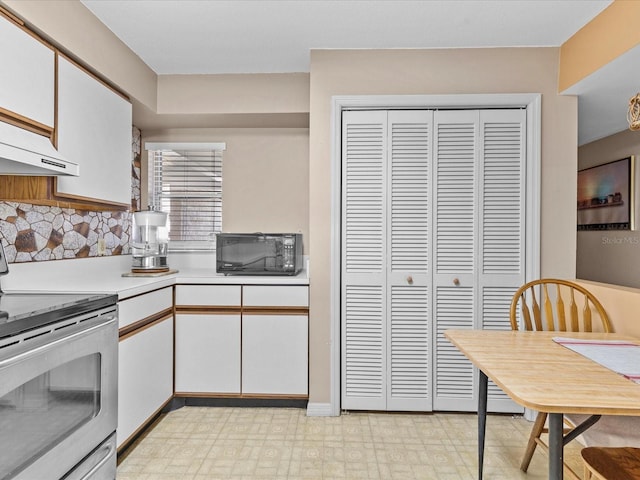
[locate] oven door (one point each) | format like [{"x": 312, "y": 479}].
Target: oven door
[{"x": 58, "y": 399}]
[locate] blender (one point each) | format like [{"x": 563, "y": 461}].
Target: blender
[{"x": 150, "y": 241}]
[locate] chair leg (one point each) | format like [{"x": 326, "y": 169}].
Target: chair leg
[{"x": 536, "y": 431}]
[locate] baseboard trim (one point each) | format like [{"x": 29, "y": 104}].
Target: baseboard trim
[{"x": 320, "y": 410}]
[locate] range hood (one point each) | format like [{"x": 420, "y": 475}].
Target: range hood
[{"x": 26, "y": 153}]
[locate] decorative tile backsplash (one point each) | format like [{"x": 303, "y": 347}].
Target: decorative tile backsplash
[{"x": 37, "y": 233}]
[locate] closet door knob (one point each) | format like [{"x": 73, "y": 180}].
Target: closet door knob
[
  {"x": 410, "y": 280},
  {"x": 456, "y": 281}
]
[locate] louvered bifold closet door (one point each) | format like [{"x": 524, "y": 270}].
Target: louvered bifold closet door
[
  {"x": 501, "y": 225},
  {"x": 409, "y": 276},
  {"x": 456, "y": 161},
  {"x": 363, "y": 290},
  {"x": 479, "y": 251}
]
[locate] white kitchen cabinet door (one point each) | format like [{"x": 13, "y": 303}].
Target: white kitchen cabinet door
[
  {"x": 94, "y": 131},
  {"x": 275, "y": 354},
  {"x": 207, "y": 353},
  {"x": 145, "y": 376},
  {"x": 27, "y": 75}
]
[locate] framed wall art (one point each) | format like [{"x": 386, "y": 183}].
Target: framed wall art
[{"x": 605, "y": 196}]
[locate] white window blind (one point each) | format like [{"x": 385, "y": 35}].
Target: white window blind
[{"x": 186, "y": 183}]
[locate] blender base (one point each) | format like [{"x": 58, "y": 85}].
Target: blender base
[{"x": 147, "y": 272}]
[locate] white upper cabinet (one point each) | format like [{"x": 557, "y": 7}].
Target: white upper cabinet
[
  {"x": 94, "y": 131},
  {"x": 26, "y": 75}
]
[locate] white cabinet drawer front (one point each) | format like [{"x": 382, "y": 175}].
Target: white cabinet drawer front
[
  {"x": 137, "y": 308},
  {"x": 210, "y": 295},
  {"x": 275, "y": 296},
  {"x": 145, "y": 376},
  {"x": 208, "y": 353}
]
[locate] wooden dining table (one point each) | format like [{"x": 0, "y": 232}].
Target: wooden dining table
[{"x": 544, "y": 376}]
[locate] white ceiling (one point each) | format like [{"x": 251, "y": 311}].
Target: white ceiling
[{"x": 265, "y": 36}]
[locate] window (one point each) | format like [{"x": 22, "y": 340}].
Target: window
[{"x": 185, "y": 181}]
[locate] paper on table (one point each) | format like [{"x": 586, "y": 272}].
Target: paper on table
[{"x": 621, "y": 356}]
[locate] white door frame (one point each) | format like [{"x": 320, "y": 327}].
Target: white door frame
[{"x": 531, "y": 101}]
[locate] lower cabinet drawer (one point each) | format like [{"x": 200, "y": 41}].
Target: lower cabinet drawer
[
  {"x": 275, "y": 296},
  {"x": 208, "y": 295},
  {"x": 133, "y": 309}
]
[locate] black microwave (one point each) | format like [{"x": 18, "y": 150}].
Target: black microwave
[{"x": 259, "y": 253}]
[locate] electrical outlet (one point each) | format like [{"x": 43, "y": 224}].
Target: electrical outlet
[{"x": 102, "y": 247}]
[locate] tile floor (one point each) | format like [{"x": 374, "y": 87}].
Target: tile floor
[{"x": 198, "y": 443}]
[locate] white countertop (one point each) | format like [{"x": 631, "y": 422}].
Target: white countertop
[{"x": 104, "y": 275}]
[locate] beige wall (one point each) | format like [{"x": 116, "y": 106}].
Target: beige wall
[
  {"x": 241, "y": 93},
  {"x": 374, "y": 72},
  {"x": 621, "y": 303},
  {"x": 611, "y": 256},
  {"x": 265, "y": 176}
]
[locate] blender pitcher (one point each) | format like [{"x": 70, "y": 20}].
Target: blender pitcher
[{"x": 150, "y": 241}]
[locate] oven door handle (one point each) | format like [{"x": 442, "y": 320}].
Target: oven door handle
[
  {"x": 29, "y": 350},
  {"x": 110, "y": 448}
]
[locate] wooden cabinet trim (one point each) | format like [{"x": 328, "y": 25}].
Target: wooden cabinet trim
[
  {"x": 10, "y": 16},
  {"x": 206, "y": 309},
  {"x": 26, "y": 123},
  {"x": 38, "y": 190},
  {"x": 141, "y": 325},
  {"x": 234, "y": 309},
  {"x": 275, "y": 310}
]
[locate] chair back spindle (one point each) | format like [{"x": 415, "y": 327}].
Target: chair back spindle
[
  {"x": 562, "y": 322},
  {"x": 548, "y": 308},
  {"x": 575, "y": 326}
]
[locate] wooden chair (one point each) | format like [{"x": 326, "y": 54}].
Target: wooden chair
[
  {"x": 551, "y": 304},
  {"x": 611, "y": 463}
]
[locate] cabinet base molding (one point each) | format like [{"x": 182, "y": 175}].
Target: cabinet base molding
[
  {"x": 281, "y": 401},
  {"x": 320, "y": 410}
]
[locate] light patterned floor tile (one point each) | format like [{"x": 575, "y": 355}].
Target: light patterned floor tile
[{"x": 217, "y": 443}]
